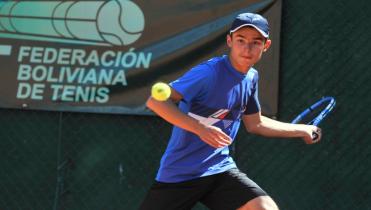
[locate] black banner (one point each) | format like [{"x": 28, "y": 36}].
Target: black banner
[{"x": 103, "y": 56}]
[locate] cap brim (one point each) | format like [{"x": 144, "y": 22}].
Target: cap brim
[{"x": 244, "y": 25}]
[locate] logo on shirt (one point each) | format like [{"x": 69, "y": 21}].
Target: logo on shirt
[
  {"x": 218, "y": 116},
  {"x": 243, "y": 109}
]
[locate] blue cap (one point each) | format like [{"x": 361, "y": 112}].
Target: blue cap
[{"x": 253, "y": 20}]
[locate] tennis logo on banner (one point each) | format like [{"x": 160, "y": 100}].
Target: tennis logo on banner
[
  {"x": 115, "y": 22},
  {"x": 64, "y": 72}
]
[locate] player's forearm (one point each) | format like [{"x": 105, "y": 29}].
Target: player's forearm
[
  {"x": 273, "y": 128},
  {"x": 171, "y": 113}
]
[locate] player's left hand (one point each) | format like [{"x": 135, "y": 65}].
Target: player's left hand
[{"x": 312, "y": 134}]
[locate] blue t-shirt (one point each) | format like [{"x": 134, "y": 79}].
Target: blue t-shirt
[{"x": 216, "y": 94}]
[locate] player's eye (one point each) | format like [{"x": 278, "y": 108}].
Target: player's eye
[
  {"x": 257, "y": 42},
  {"x": 240, "y": 41}
]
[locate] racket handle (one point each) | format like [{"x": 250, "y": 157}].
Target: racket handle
[{"x": 315, "y": 136}]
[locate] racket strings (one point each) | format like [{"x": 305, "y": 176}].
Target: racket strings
[
  {"x": 315, "y": 113},
  {"x": 310, "y": 117}
]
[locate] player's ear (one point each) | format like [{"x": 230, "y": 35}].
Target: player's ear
[
  {"x": 267, "y": 44},
  {"x": 229, "y": 40}
]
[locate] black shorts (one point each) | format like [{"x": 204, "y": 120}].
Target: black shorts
[{"x": 224, "y": 191}]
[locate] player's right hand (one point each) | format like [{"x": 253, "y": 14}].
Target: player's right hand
[
  {"x": 312, "y": 134},
  {"x": 214, "y": 136}
]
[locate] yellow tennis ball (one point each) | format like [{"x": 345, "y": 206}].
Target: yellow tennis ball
[{"x": 161, "y": 91}]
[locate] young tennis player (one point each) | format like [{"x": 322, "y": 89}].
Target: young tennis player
[{"x": 213, "y": 97}]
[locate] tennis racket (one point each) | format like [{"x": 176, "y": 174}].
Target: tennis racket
[{"x": 316, "y": 113}]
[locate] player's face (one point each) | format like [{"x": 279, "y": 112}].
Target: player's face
[{"x": 247, "y": 46}]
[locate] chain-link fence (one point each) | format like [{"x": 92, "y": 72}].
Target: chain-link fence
[
  {"x": 76, "y": 161},
  {"x": 325, "y": 51}
]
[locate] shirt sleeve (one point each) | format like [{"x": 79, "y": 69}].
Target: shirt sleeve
[
  {"x": 253, "y": 105},
  {"x": 194, "y": 83}
]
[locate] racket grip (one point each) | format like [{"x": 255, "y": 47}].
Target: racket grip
[{"x": 315, "y": 136}]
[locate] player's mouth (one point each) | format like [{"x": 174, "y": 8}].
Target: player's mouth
[{"x": 246, "y": 57}]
